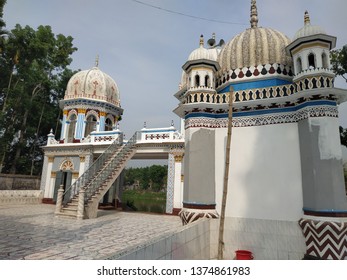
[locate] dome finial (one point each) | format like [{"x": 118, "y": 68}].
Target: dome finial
[
  {"x": 97, "y": 61},
  {"x": 307, "y": 18},
  {"x": 254, "y": 14},
  {"x": 201, "y": 40}
]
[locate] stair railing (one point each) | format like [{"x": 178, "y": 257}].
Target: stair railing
[
  {"x": 92, "y": 171},
  {"x": 110, "y": 167}
]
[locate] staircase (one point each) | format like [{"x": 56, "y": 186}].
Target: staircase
[{"x": 82, "y": 198}]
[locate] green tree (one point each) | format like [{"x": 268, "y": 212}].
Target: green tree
[
  {"x": 339, "y": 61},
  {"x": 34, "y": 74},
  {"x": 343, "y": 136}
]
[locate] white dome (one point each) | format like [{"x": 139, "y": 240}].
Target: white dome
[
  {"x": 203, "y": 53},
  {"x": 93, "y": 84},
  {"x": 308, "y": 29}
]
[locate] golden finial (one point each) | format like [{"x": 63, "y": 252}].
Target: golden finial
[
  {"x": 307, "y": 18},
  {"x": 254, "y": 14},
  {"x": 97, "y": 61}
]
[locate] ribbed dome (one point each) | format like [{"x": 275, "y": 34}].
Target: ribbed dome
[
  {"x": 255, "y": 46},
  {"x": 308, "y": 29},
  {"x": 93, "y": 84}
]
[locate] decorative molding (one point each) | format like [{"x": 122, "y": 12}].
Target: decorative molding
[
  {"x": 325, "y": 239},
  {"x": 178, "y": 158},
  {"x": 67, "y": 165},
  {"x": 170, "y": 184},
  {"x": 189, "y": 216},
  {"x": 265, "y": 117},
  {"x": 81, "y": 111}
]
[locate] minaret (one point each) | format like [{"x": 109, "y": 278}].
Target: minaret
[
  {"x": 200, "y": 141},
  {"x": 324, "y": 195}
]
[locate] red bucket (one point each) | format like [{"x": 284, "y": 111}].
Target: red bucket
[{"x": 244, "y": 255}]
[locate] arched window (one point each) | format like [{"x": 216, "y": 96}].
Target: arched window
[
  {"x": 71, "y": 128},
  {"x": 108, "y": 125},
  {"x": 90, "y": 125},
  {"x": 299, "y": 65},
  {"x": 311, "y": 61},
  {"x": 197, "y": 80},
  {"x": 207, "y": 81},
  {"x": 325, "y": 61}
]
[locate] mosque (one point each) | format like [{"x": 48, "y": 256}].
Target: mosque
[{"x": 286, "y": 178}]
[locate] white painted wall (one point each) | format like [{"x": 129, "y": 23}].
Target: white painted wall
[{"x": 265, "y": 173}]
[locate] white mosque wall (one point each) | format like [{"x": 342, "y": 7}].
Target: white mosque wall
[{"x": 265, "y": 173}]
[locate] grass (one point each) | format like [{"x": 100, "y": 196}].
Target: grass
[{"x": 145, "y": 195}]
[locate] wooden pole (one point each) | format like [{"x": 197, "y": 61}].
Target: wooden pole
[{"x": 226, "y": 177}]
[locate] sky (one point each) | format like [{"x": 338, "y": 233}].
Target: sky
[{"x": 143, "y": 48}]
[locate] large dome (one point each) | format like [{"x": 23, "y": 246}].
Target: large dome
[
  {"x": 93, "y": 84},
  {"x": 255, "y": 46}
]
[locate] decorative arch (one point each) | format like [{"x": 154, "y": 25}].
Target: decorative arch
[
  {"x": 311, "y": 60},
  {"x": 298, "y": 65},
  {"x": 109, "y": 122},
  {"x": 72, "y": 112},
  {"x": 67, "y": 165},
  {"x": 72, "y": 121},
  {"x": 207, "y": 81},
  {"x": 325, "y": 61},
  {"x": 196, "y": 80}
]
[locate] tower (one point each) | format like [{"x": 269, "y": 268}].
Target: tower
[
  {"x": 91, "y": 113},
  {"x": 198, "y": 94},
  {"x": 324, "y": 197}
]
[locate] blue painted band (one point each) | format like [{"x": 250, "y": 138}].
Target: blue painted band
[{"x": 255, "y": 84}]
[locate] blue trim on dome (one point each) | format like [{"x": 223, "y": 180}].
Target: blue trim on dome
[{"x": 255, "y": 84}]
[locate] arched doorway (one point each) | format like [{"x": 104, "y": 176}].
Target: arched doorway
[{"x": 64, "y": 178}]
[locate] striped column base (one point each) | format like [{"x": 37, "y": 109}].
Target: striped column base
[
  {"x": 189, "y": 215},
  {"x": 325, "y": 239}
]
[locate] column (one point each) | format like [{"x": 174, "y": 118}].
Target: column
[
  {"x": 178, "y": 188},
  {"x": 324, "y": 196},
  {"x": 80, "y": 126},
  {"x": 46, "y": 177},
  {"x": 102, "y": 116},
  {"x": 63, "y": 126},
  {"x": 170, "y": 184},
  {"x": 199, "y": 175}
]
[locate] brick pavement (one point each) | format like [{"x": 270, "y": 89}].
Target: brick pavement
[{"x": 31, "y": 232}]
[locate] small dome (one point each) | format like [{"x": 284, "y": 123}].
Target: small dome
[
  {"x": 308, "y": 29},
  {"x": 202, "y": 52},
  {"x": 255, "y": 46},
  {"x": 93, "y": 84}
]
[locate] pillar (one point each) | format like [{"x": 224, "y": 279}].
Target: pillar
[
  {"x": 80, "y": 125},
  {"x": 199, "y": 199},
  {"x": 324, "y": 224}
]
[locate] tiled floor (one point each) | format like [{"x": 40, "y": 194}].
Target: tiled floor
[{"x": 32, "y": 232}]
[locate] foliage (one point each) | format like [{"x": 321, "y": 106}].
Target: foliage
[
  {"x": 33, "y": 77},
  {"x": 343, "y": 136},
  {"x": 153, "y": 177},
  {"x": 339, "y": 61}
]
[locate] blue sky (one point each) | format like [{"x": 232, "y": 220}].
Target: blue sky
[{"x": 143, "y": 48}]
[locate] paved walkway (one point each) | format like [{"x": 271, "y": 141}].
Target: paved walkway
[{"x": 31, "y": 232}]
